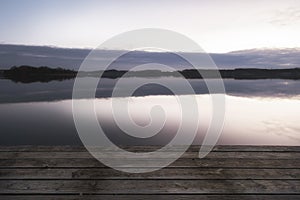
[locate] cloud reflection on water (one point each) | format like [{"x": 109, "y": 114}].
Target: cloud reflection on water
[{"x": 249, "y": 121}]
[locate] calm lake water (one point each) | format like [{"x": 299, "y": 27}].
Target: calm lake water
[{"x": 258, "y": 112}]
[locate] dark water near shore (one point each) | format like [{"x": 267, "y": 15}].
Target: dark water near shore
[
  {"x": 258, "y": 112},
  {"x": 11, "y": 92}
]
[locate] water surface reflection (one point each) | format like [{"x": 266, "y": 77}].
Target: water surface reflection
[
  {"x": 251, "y": 121},
  {"x": 56, "y": 90}
]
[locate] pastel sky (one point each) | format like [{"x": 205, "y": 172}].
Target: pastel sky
[{"x": 216, "y": 25}]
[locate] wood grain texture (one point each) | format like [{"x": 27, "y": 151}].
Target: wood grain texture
[
  {"x": 151, "y": 197},
  {"x": 150, "y": 186},
  {"x": 180, "y": 163},
  {"x": 166, "y": 173},
  {"x": 228, "y": 172}
]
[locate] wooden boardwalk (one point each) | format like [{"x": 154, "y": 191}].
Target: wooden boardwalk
[{"x": 228, "y": 172}]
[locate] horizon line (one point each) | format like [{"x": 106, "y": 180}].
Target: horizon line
[{"x": 104, "y": 49}]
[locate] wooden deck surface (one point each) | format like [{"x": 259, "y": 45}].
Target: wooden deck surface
[{"x": 228, "y": 172}]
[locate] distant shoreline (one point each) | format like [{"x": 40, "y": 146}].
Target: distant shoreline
[{"x": 28, "y": 74}]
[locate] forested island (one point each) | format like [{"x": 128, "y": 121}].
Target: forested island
[{"x": 28, "y": 74}]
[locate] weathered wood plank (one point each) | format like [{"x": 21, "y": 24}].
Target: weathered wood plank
[
  {"x": 229, "y": 155},
  {"x": 150, "y": 197},
  {"x": 166, "y": 173},
  {"x": 182, "y": 162},
  {"x": 228, "y": 172},
  {"x": 235, "y": 148},
  {"x": 150, "y": 186}
]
